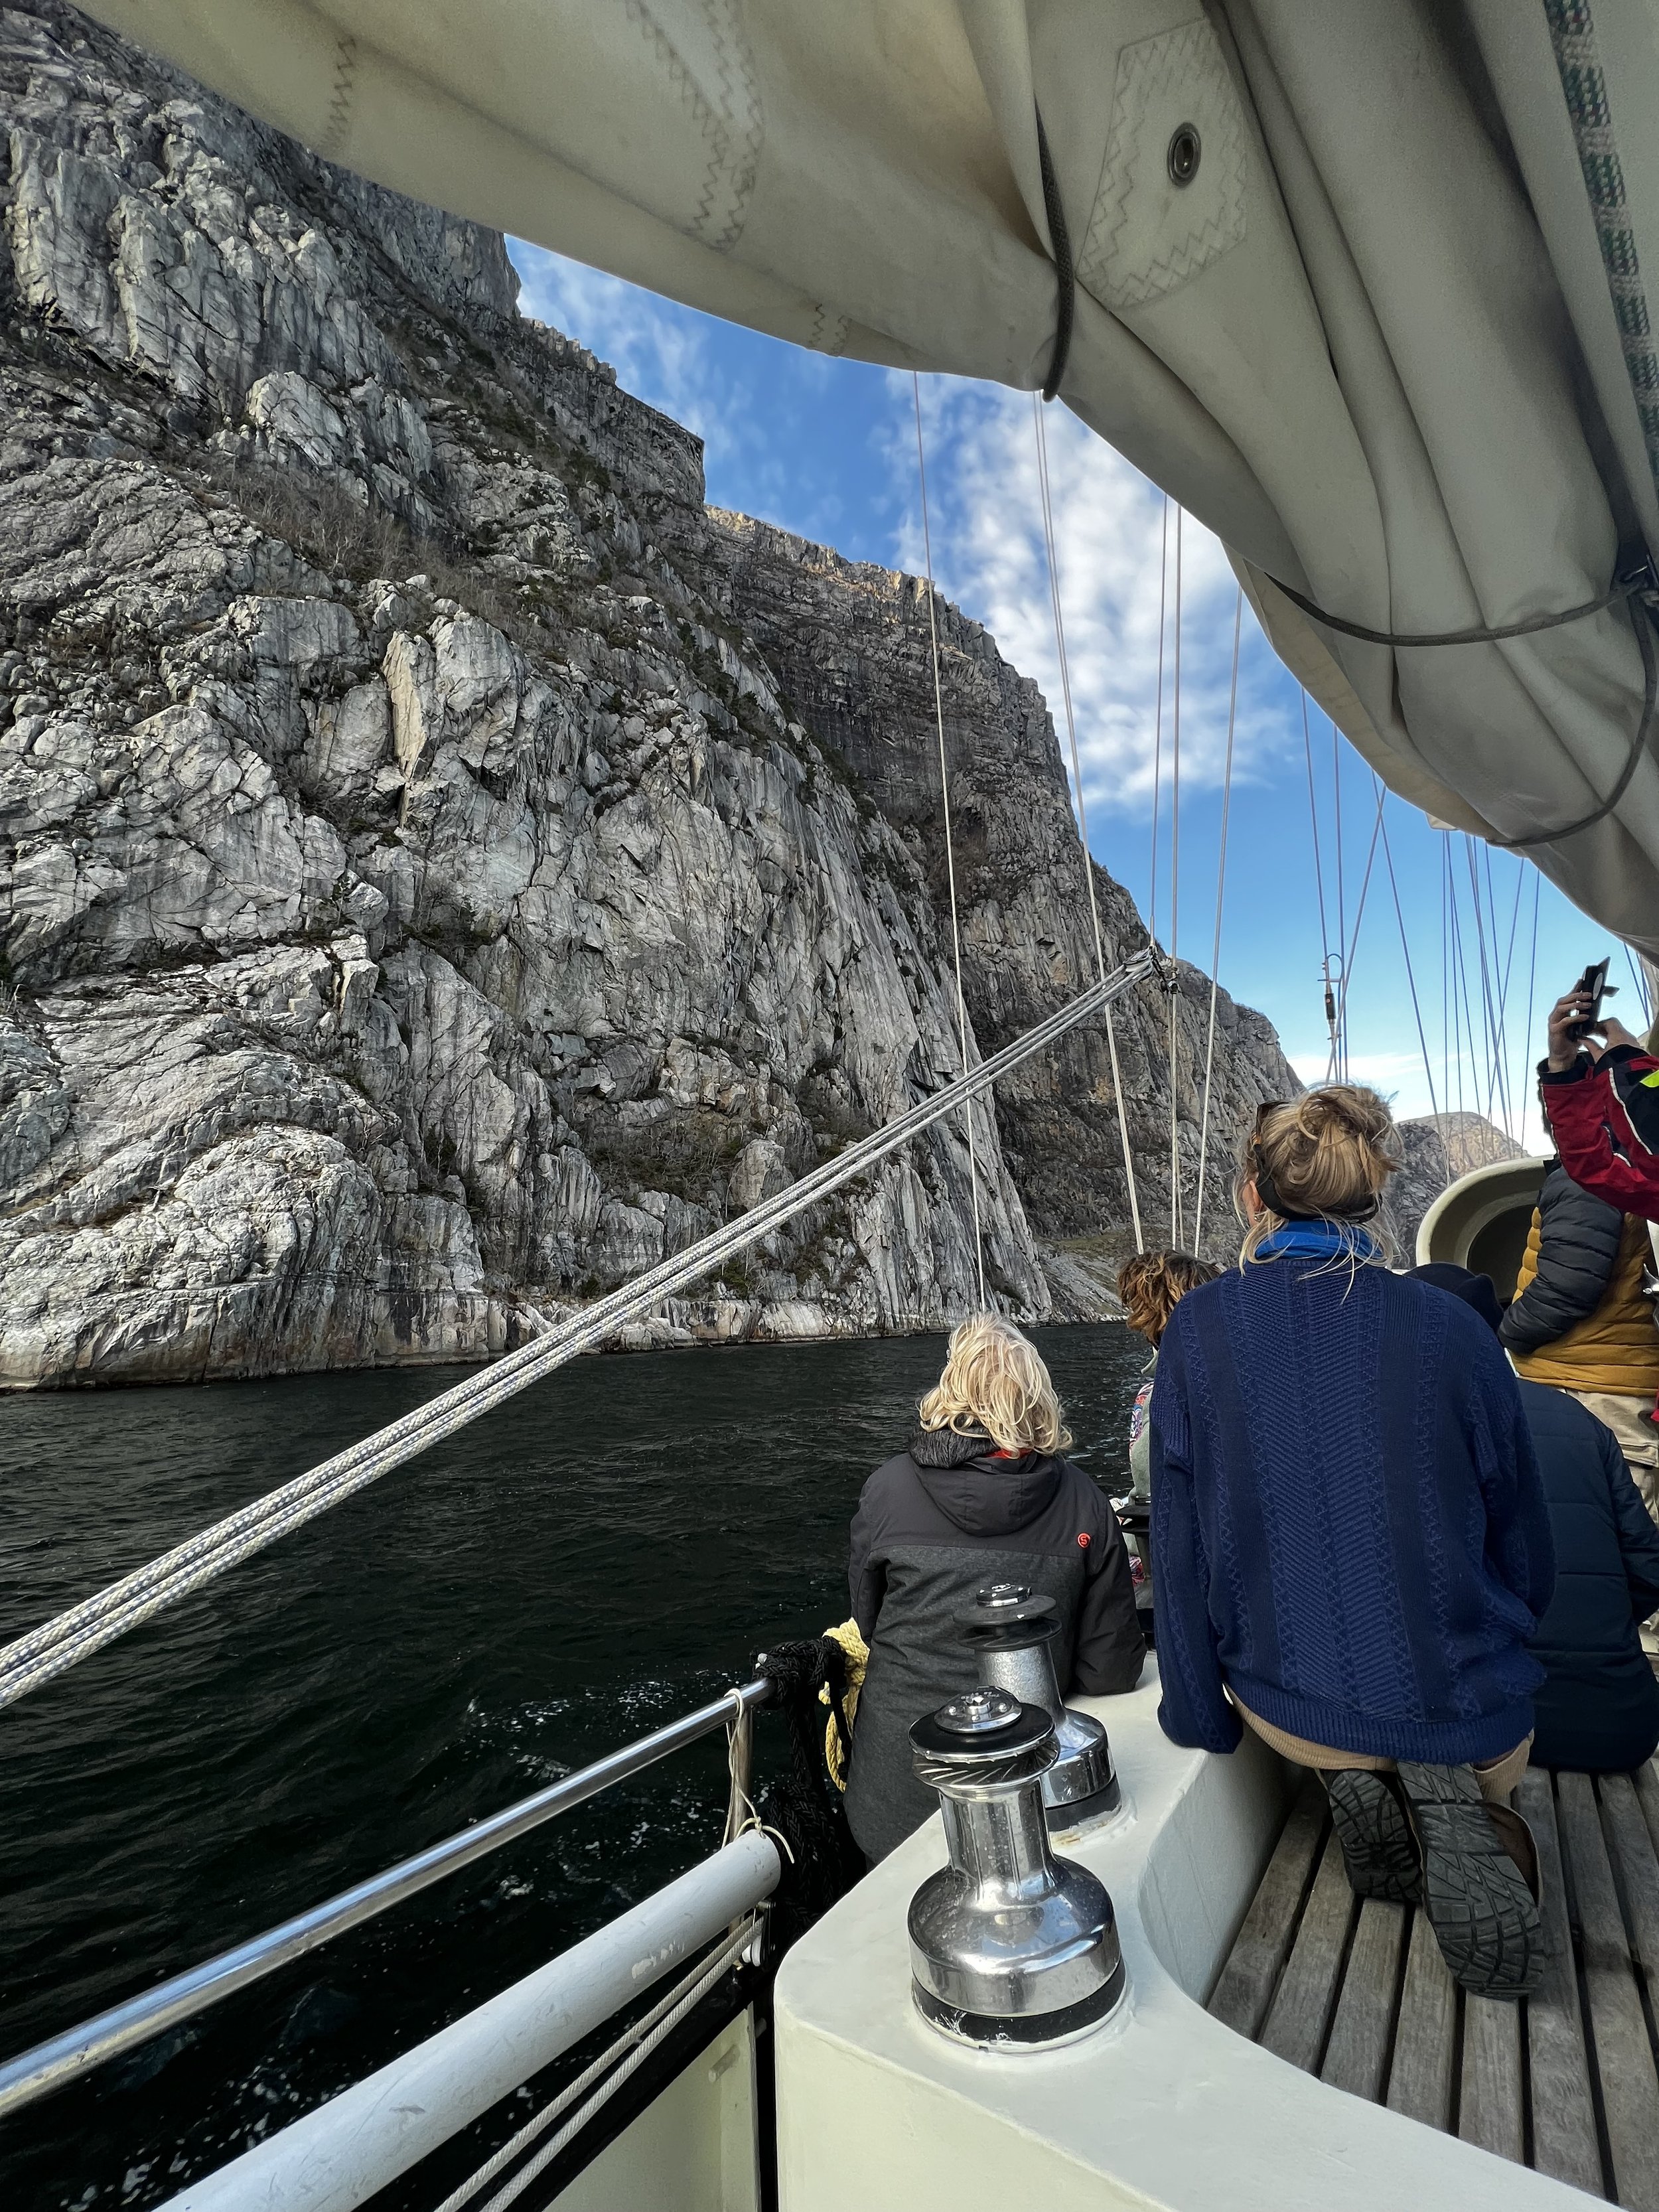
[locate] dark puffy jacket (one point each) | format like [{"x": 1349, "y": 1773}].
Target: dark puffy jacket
[
  {"x": 1577, "y": 1243},
  {"x": 932, "y": 1526},
  {"x": 1599, "y": 1708}
]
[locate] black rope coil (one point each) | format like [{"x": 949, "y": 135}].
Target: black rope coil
[{"x": 822, "y": 1862}]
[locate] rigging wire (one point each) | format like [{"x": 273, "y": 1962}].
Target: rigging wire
[
  {"x": 1411, "y": 980},
  {"x": 1157, "y": 740},
  {"x": 1215, "y": 951},
  {"x": 950, "y": 844},
  {"x": 1359, "y": 916},
  {"x": 1445, "y": 998},
  {"x": 1488, "y": 1025},
  {"x": 1339, "y": 1042},
  {"x": 1644, "y": 996},
  {"x": 1461, "y": 984},
  {"x": 1082, "y": 817},
  {"x": 1505, "y": 976},
  {"x": 1319, "y": 886},
  {"x": 1531, "y": 993},
  {"x": 1514, "y": 916},
  {"x": 1175, "y": 911},
  {"x": 1496, "y": 1085}
]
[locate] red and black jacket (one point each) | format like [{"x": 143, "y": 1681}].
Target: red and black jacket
[{"x": 1604, "y": 1117}]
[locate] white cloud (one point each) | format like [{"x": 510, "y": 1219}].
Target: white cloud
[
  {"x": 1109, "y": 532},
  {"x": 1109, "y": 529},
  {"x": 1387, "y": 1071}
]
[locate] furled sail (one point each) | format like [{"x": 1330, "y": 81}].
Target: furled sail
[{"x": 1361, "y": 286}]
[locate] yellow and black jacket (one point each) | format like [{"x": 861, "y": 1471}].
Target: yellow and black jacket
[{"x": 1580, "y": 1320}]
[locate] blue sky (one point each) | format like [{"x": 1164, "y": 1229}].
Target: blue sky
[{"x": 828, "y": 448}]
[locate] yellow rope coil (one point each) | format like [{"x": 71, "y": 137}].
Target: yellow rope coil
[{"x": 858, "y": 1656}]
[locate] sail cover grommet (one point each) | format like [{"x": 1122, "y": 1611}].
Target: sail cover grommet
[{"x": 1186, "y": 152}]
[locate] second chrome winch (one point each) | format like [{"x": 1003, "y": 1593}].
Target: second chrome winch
[
  {"x": 1012, "y": 1630},
  {"x": 1009, "y": 1946}
]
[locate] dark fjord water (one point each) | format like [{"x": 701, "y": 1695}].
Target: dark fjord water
[{"x": 600, "y": 1555}]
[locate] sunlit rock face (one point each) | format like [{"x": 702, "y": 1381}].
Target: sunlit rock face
[
  {"x": 445, "y": 869},
  {"x": 1435, "y": 1151}
]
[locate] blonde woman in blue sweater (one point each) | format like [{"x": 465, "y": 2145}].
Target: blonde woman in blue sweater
[{"x": 1352, "y": 1543}]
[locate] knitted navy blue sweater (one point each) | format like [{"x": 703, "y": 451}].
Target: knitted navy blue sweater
[{"x": 1348, "y": 1525}]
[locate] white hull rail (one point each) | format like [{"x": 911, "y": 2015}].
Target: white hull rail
[
  {"x": 36, "y": 2074},
  {"x": 342, "y": 2154}
]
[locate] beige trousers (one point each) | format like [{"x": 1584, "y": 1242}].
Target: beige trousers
[
  {"x": 1635, "y": 1435},
  {"x": 1496, "y": 1776}
]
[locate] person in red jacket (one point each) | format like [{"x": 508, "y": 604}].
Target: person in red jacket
[{"x": 1602, "y": 1101}]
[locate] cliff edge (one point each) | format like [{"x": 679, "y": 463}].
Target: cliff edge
[{"x": 443, "y": 865}]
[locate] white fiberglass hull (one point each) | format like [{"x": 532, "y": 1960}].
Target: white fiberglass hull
[{"x": 1163, "y": 2105}]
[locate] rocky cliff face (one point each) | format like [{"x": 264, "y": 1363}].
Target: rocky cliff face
[
  {"x": 443, "y": 867},
  {"x": 851, "y": 645},
  {"x": 1435, "y": 1151}
]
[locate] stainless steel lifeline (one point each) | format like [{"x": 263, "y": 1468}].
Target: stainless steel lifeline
[
  {"x": 35, "y": 2074},
  {"x": 1011, "y": 1948},
  {"x": 342, "y": 2154}
]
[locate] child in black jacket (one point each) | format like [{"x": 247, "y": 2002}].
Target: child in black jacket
[{"x": 982, "y": 1495}]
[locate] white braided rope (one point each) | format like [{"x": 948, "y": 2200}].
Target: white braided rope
[
  {"x": 73, "y": 1635},
  {"x": 633, "y": 2046}
]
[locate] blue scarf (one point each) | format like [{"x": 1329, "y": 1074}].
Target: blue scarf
[{"x": 1320, "y": 1240}]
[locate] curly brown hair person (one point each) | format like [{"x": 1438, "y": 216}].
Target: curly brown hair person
[{"x": 1152, "y": 1284}]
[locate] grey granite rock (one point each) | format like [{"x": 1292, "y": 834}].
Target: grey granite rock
[
  {"x": 443, "y": 868},
  {"x": 1435, "y": 1149}
]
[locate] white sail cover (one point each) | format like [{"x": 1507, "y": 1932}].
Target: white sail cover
[{"x": 1372, "y": 339}]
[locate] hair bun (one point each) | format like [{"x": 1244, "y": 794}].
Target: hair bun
[{"x": 1328, "y": 1154}]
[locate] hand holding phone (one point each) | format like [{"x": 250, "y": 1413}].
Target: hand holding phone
[
  {"x": 1592, "y": 985},
  {"x": 1577, "y": 1015}
]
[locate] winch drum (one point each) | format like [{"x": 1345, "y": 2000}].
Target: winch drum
[{"x": 1011, "y": 1947}]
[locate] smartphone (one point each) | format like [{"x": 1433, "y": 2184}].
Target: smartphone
[{"x": 1593, "y": 984}]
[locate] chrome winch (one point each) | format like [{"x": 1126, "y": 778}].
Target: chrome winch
[
  {"x": 1009, "y": 1945},
  {"x": 1013, "y": 1634}
]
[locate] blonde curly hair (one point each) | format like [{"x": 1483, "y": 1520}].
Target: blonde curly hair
[{"x": 994, "y": 1381}]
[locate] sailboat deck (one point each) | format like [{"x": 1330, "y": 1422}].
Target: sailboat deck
[{"x": 1567, "y": 2081}]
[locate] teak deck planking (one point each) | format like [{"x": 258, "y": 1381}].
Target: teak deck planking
[{"x": 1567, "y": 2081}]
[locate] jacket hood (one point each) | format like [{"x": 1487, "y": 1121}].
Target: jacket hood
[{"x": 983, "y": 1495}]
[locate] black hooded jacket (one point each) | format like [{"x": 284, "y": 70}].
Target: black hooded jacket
[
  {"x": 932, "y": 1526},
  {"x": 1599, "y": 1709}
]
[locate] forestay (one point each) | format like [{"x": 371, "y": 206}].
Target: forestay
[{"x": 1337, "y": 278}]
